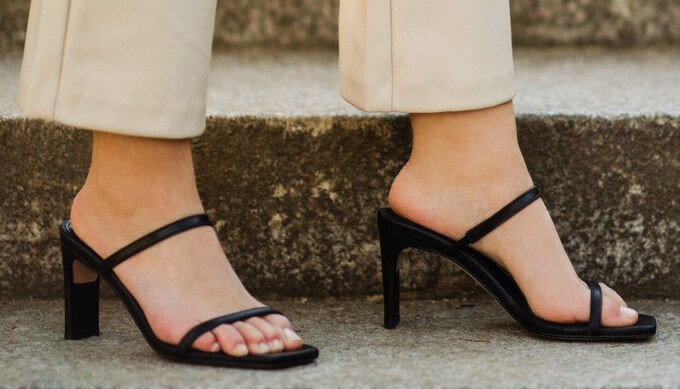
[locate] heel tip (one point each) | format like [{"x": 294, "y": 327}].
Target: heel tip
[{"x": 80, "y": 336}]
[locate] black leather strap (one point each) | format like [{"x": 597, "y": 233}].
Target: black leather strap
[
  {"x": 153, "y": 238},
  {"x": 480, "y": 230},
  {"x": 595, "y": 321},
  {"x": 193, "y": 334}
]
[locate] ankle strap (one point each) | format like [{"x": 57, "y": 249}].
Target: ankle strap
[
  {"x": 482, "y": 229},
  {"x": 153, "y": 238}
]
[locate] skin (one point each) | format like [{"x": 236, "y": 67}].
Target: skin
[
  {"x": 138, "y": 184},
  {"x": 464, "y": 166}
]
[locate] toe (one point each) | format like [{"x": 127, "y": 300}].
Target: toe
[
  {"x": 255, "y": 339},
  {"x": 291, "y": 339},
  {"x": 611, "y": 292},
  {"x": 207, "y": 342},
  {"x": 272, "y": 334},
  {"x": 230, "y": 340},
  {"x": 614, "y": 314}
]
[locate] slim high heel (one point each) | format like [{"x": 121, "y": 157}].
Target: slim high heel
[
  {"x": 398, "y": 233},
  {"x": 390, "y": 248},
  {"x": 81, "y": 303}
]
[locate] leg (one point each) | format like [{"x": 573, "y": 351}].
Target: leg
[
  {"x": 136, "y": 73},
  {"x": 449, "y": 186},
  {"x": 135, "y": 184},
  {"x": 449, "y": 63}
]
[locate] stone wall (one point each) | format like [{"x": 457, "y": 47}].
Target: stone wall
[{"x": 313, "y": 22}]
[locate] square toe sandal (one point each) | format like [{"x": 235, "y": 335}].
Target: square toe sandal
[
  {"x": 82, "y": 303},
  {"x": 398, "y": 233}
]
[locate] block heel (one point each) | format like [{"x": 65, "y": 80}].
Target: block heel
[
  {"x": 398, "y": 233},
  {"x": 81, "y": 302}
]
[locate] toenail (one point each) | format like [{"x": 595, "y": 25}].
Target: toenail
[
  {"x": 263, "y": 348},
  {"x": 290, "y": 334},
  {"x": 241, "y": 350},
  {"x": 276, "y": 344},
  {"x": 628, "y": 313},
  {"x": 215, "y": 347}
]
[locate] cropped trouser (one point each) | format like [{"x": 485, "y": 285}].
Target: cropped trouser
[{"x": 140, "y": 67}]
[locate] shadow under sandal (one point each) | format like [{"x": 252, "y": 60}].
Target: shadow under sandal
[
  {"x": 398, "y": 233},
  {"x": 82, "y": 303}
]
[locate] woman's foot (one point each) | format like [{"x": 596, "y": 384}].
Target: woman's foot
[
  {"x": 464, "y": 167},
  {"x": 136, "y": 185}
]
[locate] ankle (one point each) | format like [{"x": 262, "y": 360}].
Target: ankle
[
  {"x": 465, "y": 164},
  {"x": 108, "y": 220},
  {"x": 478, "y": 169},
  {"x": 126, "y": 197},
  {"x": 133, "y": 185},
  {"x": 132, "y": 176}
]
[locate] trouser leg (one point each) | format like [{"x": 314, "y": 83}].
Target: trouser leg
[
  {"x": 132, "y": 67},
  {"x": 425, "y": 56}
]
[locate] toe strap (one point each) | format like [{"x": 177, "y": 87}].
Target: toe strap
[
  {"x": 185, "y": 344},
  {"x": 595, "y": 322}
]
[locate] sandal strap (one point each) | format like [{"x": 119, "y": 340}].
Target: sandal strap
[
  {"x": 194, "y": 333},
  {"x": 482, "y": 229},
  {"x": 153, "y": 238},
  {"x": 595, "y": 321}
]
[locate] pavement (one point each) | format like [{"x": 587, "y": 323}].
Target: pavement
[
  {"x": 586, "y": 81},
  {"x": 439, "y": 344}
]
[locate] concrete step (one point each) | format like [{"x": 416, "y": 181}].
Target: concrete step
[
  {"x": 292, "y": 175},
  {"x": 439, "y": 344},
  {"x": 310, "y": 22}
]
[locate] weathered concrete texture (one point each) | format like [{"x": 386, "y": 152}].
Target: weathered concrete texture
[
  {"x": 608, "y": 22},
  {"x": 295, "y": 206},
  {"x": 9, "y": 78},
  {"x": 452, "y": 344},
  {"x": 13, "y": 21},
  {"x": 281, "y": 22},
  {"x": 310, "y": 22},
  {"x": 596, "y": 82}
]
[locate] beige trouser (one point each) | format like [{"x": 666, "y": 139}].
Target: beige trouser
[{"x": 140, "y": 67}]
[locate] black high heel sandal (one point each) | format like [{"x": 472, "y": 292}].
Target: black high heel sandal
[
  {"x": 82, "y": 303},
  {"x": 398, "y": 233}
]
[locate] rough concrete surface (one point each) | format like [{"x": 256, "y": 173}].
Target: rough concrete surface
[
  {"x": 293, "y": 187},
  {"x": 310, "y": 22},
  {"x": 439, "y": 344},
  {"x": 605, "y": 22},
  {"x": 300, "y": 208}
]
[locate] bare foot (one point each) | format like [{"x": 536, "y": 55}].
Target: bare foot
[
  {"x": 181, "y": 281},
  {"x": 465, "y": 168}
]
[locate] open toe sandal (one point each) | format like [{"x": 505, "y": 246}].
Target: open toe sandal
[
  {"x": 398, "y": 233},
  {"x": 82, "y": 303}
]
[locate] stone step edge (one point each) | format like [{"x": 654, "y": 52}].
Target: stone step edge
[{"x": 623, "y": 228}]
